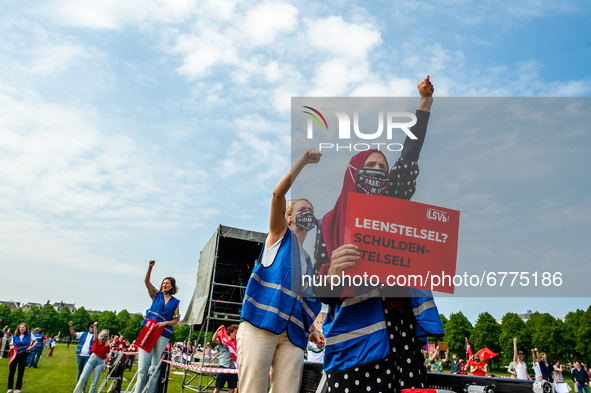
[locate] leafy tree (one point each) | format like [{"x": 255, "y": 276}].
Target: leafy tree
[
  {"x": 433, "y": 339},
  {"x": 17, "y": 317},
  {"x": 124, "y": 319},
  {"x": 457, "y": 328},
  {"x": 486, "y": 334},
  {"x": 570, "y": 333},
  {"x": 65, "y": 316},
  {"x": 546, "y": 335},
  {"x": 583, "y": 345},
  {"x": 49, "y": 320},
  {"x": 94, "y": 317},
  {"x": 133, "y": 328},
  {"x": 180, "y": 333},
  {"x": 513, "y": 326},
  {"x": 108, "y": 320},
  {"x": 5, "y": 316},
  {"x": 32, "y": 318},
  {"x": 80, "y": 317}
]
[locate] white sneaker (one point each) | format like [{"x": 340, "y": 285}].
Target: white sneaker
[
  {"x": 9, "y": 391},
  {"x": 17, "y": 391}
]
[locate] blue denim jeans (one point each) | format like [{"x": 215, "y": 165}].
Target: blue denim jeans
[
  {"x": 582, "y": 388},
  {"x": 81, "y": 361},
  {"x": 147, "y": 363},
  {"x": 34, "y": 357},
  {"x": 93, "y": 366}
]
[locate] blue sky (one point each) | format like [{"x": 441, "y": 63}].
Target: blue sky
[{"x": 130, "y": 130}]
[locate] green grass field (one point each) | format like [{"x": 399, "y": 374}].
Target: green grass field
[{"x": 57, "y": 374}]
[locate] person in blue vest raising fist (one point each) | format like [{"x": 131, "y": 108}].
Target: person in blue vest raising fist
[
  {"x": 23, "y": 341},
  {"x": 84, "y": 349},
  {"x": 373, "y": 333},
  {"x": 165, "y": 311},
  {"x": 277, "y": 315}
]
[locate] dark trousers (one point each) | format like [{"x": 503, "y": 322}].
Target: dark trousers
[{"x": 21, "y": 362}]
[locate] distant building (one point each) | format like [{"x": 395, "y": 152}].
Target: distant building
[
  {"x": 59, "y": 305},
  {"x": 527, "y": 316},
  {"x": 30, "y": 305},
  {"x": 10, "y": 303},
  {"x": 94, "y": 312}
]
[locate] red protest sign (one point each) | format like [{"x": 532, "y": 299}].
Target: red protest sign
[
  {"x": 149, "y": 335},
  {"x": 12, "y": 354},
  {"x": 403, "y": 243}
]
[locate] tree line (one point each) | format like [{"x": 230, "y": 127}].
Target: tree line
[
  {"x": 53, "y": 322},
  {"x": 564, "y": 341}
]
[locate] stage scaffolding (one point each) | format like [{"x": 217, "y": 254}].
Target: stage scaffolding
[{"x": 225, "y": 265}]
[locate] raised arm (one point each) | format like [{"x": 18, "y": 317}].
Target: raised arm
[
  {"x": 515, "y": 357},
  {"x": 215, "y": 338},
  {"x": 147, "y": 279},
  {"x": 72, "y": 332},
  {"x": 95, "y": 332},
  {"x": 446, "y": 356},
  {"x": 277, "y": 222}
]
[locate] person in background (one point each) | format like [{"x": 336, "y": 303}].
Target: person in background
[
  {"x": 132, "y": 349},
  {"x": 37, "y": 351},
  {"x": 463, "y": 367},
  {"x": 520, "y": 366},
  {"x": 580, "y": 377},
  {"x": 511, "y": 370},
  {"x": 85, "y": 341},
  {"x": 53, "y": 343},
  {"x": 226, "y": 361},
  {"x": 207, "y": 353},
  {"x": 478, "y": 368},
  {"x": 95, "y": 365},
  {"x": 536, "y": 361},
  {"x": 436, "y": 363},
  {"x": 24, "y": 342},
  {"x": 315, "y": 351},
  {"x": 546, "y": 368},
  {"x": 559, "y": 385},
  {"x": 456, "y": 365}
]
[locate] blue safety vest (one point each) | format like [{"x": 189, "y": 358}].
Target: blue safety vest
[
  {"x": 39, "y": 338},
  {"x": 21, "y": 345},
  {"x": 274, "y": 300},
  {"x": 161, "y": 312},
  {"x": 355, "y": 330},
  {"x": 83, "y": 340}
]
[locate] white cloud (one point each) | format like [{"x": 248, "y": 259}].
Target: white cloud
[
  {"x": 114, "y": 14},
  {"x": 265, "y": 21}
]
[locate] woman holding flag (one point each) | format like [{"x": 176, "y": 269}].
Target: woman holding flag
[
  {"x": 372, "y": 341},
  {"x": 226, "y": 340},
  {"x": 20, "y": 345},
  {"x": 165, "y": 311}
]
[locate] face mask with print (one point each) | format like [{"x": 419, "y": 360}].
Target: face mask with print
[
  {"x": 104, "y": 338},
  {"x": 305, "y": 221},
  {"x": 371, "y": 181},
  {"x": 91, "y": 330}
]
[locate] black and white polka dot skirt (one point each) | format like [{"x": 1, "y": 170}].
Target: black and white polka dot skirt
[{"x": 402, "y": 369}]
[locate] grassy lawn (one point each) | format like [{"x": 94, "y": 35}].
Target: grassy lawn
[{"x": 57, "y": 374}]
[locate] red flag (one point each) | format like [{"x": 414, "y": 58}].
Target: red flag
[
  {"x": 486, "y": 354},
  {"x": 12, "y": 353},
  {"x": 230, "y": 344},
  {"x": 470, "y": 355}
]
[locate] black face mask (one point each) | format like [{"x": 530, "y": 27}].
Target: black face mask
[
  {"x": 305, "y": 221},
  {"x": 371, "y": 181}
]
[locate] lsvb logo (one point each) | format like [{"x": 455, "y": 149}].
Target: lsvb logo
[{"x": 438, "y": 215}]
